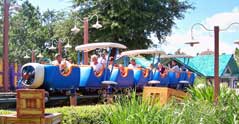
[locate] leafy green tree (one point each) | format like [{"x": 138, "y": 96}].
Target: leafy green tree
[
  {"x": 29, "y": 29},
  {"x": 237, "y": 55},
  {"x": 25, "y": 31},
  {"x": 132, "y": 21}
]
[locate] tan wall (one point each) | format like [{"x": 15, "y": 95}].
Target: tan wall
[{"x": 15, "y": 77}]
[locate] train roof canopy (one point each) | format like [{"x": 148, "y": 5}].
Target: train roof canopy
[
  {"x": 101, "y": 45},
  {"x": 175, "y": 56},
  {"x": 143, "y": 51}
]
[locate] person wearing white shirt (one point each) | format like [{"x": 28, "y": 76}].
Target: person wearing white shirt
[
  {"x": 133, "y": 64},
  {"x": 64, "y": 64},
  {"x": 175, "y": 67},
  {"x": 58, "y": 60},
  {"x": 97, "y": 67},
  {"x": 102, "y": 59}
]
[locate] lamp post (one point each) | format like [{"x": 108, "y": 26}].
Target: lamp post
[
  {"x": 216, "y": 55},
  {"x": 59, "y": 45},
  {"x": 86, "y": 31},
  {"x": 32, "y": 55},
  {"x": 5, "y": 45},
  {"x": 6, "y": 6},
  {"x": 67, "y": 46}
]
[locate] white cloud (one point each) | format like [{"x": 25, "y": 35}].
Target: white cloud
[
  {"x": 206, "y": 39},
  {"x": 223, "y": 20},
  {"x": 235, "y": 9}
]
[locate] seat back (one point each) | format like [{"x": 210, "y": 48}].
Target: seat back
[
  {"x": 140, "y": 79},
  {"x": 55, "y": 80},
  {"x": 156, "y": 75},
  {"x": 164, "y": 81},
  {"x": 90, "y": 79},
  {"x": 192, "y": 79},
  {"x": 173, "y": 80},
  {"x": 124, "y": 80},
  {"x": 183, "y": 76}
]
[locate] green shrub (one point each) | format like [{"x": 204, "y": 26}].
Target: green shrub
[
  {"x": 229, "y": 106},
  {"x": 189, "y": 112},
  {"x": 75, "y": 115},
  {"x": 2, "y": 112},
  {"x": 131, "y": 111},
  {"x": 200, "y": 80},
  {"x": 227, "y": 109},
  {"x": 134, "y": 111},
  {"x": 202, "y": 93},
  {"x": 80, "y": 114}
]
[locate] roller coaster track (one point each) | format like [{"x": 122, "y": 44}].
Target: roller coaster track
[{"x": 8, "y": 100}]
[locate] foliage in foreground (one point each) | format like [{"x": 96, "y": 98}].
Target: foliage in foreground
[
  {"x": 79, "y": 115},
  {"x": 134, "y": 111},
  {"x": 131, "y": 111},
  {"x": 226, "y": 110},
  {"x": 198, "y": 109},
  {"x": 75, "y": 115},
  {"x": 2, "y": 112}
]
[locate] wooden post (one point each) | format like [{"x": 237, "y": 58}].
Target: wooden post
[
  {"x": 33, "y": 56},
  {"x": 73, "y": 98},
  {"x": 216, "y": 64},
  {"x": 86, "y": 38},
  {"x": 5, "y": 46},
  {"x": 59, "y": 46}
]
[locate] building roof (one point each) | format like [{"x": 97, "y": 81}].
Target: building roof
[
  {"x": 207, "y": 52},
  {"x": 204, "y": 64}
]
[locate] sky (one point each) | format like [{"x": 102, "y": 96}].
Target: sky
[
  {"x": 52, "y": 4},
  {"x": 209, "y": 13}
]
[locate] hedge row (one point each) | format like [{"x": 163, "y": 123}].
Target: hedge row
[{"x": 75, "y": 115}]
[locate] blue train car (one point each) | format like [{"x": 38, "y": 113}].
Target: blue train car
[
  {"x": 50, "y": 77},
  {"x": 125, "y": 80},
  {"x": 89, "y": 79}
]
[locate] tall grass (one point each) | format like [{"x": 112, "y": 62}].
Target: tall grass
[
  {"x": 198, "y": 109},
  {"x": 134, "y": 111},
  {"x": 200, "y": 80},
  {"x": 201, "y": 93},
  {"x": 227, "y": 109},
  {"x": 131, "y": 110}
]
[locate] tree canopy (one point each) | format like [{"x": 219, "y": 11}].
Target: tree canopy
[
  {"x": 30, "y": 29},
  {"x": 132, "y": 21}
]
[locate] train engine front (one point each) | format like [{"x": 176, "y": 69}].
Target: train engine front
[
  {"x": 49, "y": 77},
  {"x": 32, "y": 75}
]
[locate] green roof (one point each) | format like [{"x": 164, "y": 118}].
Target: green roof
[
  {"x": 143, "y": 61},
  {"x": 204, "y": 64}
]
